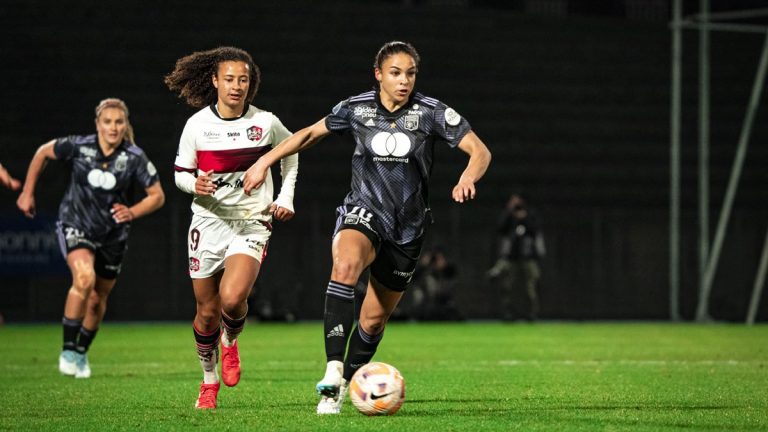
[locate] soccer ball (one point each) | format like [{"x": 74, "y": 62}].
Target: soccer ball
[{"x": 377, "y": 389}]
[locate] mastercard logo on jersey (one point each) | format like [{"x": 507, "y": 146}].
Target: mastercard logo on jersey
[{"x": 102, "y": 179}]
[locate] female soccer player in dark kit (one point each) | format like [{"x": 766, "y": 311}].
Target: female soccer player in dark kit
[
  {"x": 382, "y": 221},
  {"x": 94, "y": 218},
  {"x": 229, "y": 232}
]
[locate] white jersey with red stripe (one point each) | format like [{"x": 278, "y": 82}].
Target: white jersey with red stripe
[{"x": 228, "y": 147}]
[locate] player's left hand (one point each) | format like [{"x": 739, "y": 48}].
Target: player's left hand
[
  {"x": 463, "y": 191},
  {"x": 121, "y": 213},
  {"x": 281, "y": 213}
]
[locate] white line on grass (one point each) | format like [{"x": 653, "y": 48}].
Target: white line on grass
[{"x": 622, "y": 362}]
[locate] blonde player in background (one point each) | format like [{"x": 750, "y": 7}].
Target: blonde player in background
[{"x": 95, "y": 218}]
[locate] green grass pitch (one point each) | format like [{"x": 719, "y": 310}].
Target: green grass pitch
[{"x": 460, "y": 377}]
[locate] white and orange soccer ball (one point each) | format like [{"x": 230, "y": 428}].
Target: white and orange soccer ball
[{"x": 377, "y": 389}]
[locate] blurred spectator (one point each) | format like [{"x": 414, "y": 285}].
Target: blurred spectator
[
  {"x": 434, "y": 282},
  {"x": 516, "y": 271},
  {"x": 264, "y": 303}
]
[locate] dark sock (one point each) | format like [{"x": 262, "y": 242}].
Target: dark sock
[
  {"x": 71, "y": 330},
  {"x": 338, "y": 319},
  {"x": 362, "y": 347},
  {"x": 85, "y": 339},
  {"x": 233, "y": 327},
  {"x": 207, "y": 343}
]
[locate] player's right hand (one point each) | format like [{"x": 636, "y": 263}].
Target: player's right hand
[
  {"x": 26, "y": 203},
  {"x": 204, "y": 184}
]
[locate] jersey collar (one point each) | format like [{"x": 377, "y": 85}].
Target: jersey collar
[
  {"x": 397, "y": 112},
  {"x": 216, "y": 112},
  {"x": 120, "y": 147}
]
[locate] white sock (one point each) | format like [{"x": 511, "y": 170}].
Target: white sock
[
  {"x": 210, "y": 373},
  {"x": 210, "y": 377},
  {"x": 334, "y": 368},
  {"x": 225, "y": 340}
]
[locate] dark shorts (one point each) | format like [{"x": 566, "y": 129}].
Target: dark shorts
[
  {"x": 395, "y": 263},
  {"x": 108, "y": 250}
]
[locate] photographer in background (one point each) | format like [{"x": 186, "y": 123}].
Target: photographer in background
[
  {"x": 434, "y": 283},
  {"x": 521, "y": 245}
]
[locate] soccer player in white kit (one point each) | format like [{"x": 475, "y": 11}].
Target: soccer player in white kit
[
  {"x": 382, "y": 222},
  {"x": 230, "y": 229}
]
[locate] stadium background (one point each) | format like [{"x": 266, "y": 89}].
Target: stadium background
[{"x": 572, "y": 98}]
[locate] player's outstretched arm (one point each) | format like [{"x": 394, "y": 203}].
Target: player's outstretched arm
[
  {"x": 26, "y": 200},
  {"x": 282, "y": 208},
  {"x": 479, "y": 159},
  {"x": 303, "y": 139}
]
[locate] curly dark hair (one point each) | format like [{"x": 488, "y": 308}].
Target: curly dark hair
[
  {"x": 391, "y": 48},
  {"x": 191, "y": 78}
]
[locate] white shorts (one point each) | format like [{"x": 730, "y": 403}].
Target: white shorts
[{"x": 211, "y": 240}]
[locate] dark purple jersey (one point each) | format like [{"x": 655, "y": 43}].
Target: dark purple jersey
[
  {"x": 100, "y": 181},
  {"x": 393, "y": 155}
]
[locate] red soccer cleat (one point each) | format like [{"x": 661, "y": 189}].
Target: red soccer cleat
[
  {"x": 230, "y": 364},
  {"x": 207, "y": 397}
]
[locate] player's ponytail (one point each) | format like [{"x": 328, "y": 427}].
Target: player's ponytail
[{"x": 119, "y": 104}]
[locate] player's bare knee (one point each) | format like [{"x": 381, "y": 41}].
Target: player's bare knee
[
  {"x": 347, "y": 271},
  {"x": 82, "y": 286},
  {"x": 75, "y": 291},
  {"x": 233, "y": 307},
  {"x": 83, "y": 277},
  {"x": 208, "y": 321},
  {"x": 373, "y": 325},
  {"x": 96, "y": 307},
  {"x": 97, "y": 299},
  {"x": 207, "y": 316}
]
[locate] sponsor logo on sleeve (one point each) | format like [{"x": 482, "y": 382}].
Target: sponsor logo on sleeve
[
  {"x": 336, "y": 108},
  {"x": 87, "y": 151},
  {"x": 452, "y": 117}
]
